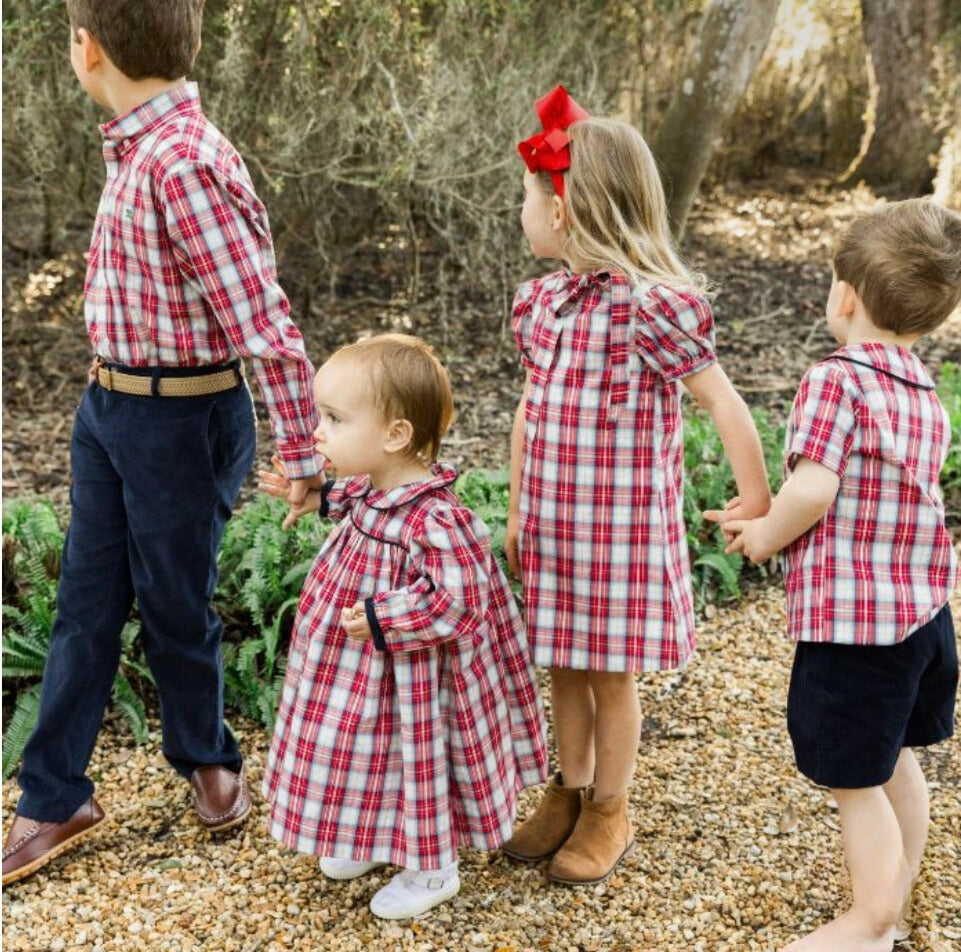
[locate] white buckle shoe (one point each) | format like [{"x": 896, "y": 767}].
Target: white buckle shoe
[
  {"x": 411, "y": 893},
  {"x": 334, "y": 868}
]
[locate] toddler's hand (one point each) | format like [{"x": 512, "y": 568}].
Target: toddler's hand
[
  {"x": 296, "y": 493},
  {"x": 354, "y": 622},
  {"x": 750, "y": 539},
  {"x": 736, "y": 510}
]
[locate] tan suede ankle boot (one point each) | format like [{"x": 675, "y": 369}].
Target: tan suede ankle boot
[
  {"x": 543, "y": 833},
  {"x": 602, "y": 837}
]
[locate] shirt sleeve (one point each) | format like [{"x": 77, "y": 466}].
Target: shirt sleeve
[
  {"x": 673, "y": 331},
  {"x": 822, "y": 420},
  {"x": 521, "y": 315},
  {"x": 221, "y": 239},
  {"x": 447, "y": 597}
]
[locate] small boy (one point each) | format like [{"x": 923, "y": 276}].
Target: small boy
[
  {"x": 181, "y": 282},
  {"x": 869, "y": 565}
]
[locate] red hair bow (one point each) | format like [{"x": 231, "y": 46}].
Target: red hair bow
[{"x": 548, "y": 151}]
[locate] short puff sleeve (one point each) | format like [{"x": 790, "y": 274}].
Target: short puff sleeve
[
  {"x": 822, "y": 420},
  {"x": 673, "y": 330}
]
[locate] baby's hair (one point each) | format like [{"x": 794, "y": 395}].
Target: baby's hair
[
  {"x": 904, "y": 262},
  {"x": 616, "y": 211},
  {"x": 409, "y": 383},
  {"x": 145, "y": 39}
]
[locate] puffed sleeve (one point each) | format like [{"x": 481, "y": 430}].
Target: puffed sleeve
[
  {"x": 673, "y": 330},
  {"x": 823, "y": 419},
  {"x": 448, "y": 595},
  {"x": 521, "y": 316}
]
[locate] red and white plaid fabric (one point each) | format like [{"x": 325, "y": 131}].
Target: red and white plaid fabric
[
  {"x": 606, "y": 575},
  {"x": 181, "y": 270},
  {"x": 880, "y": 563},
  {"x": 405, "y": 754}
]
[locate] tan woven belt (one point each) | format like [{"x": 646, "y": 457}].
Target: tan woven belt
[{"x": 196, "y": 386}]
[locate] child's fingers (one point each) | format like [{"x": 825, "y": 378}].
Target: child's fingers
[
  {"x": 279, "y": 465},
  {"x": 734, "y": 503},
  {"x": 719, "y": 516}
]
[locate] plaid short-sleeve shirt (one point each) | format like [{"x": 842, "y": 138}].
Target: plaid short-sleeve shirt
[
  {"x": 181, "y": 270},
  {"x": 603, "y": 545},
  {"x": 880, "y": 563}
]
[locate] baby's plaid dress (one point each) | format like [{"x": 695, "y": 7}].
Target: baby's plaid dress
[
  {"x": 603, "y": 545},
  {"x": 401, "y": 755}
]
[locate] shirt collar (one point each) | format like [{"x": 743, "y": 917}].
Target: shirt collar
[
  {"x": 889, "y": 359},
  {"x": 182, "y": 100}
]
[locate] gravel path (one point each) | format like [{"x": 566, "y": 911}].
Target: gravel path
[{"x": 736, "y": 851}]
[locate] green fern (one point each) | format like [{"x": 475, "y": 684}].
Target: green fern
[{"x": 20, "y": 727}]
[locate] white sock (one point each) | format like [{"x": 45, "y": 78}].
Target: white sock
[{"x": 412, "y": 892}]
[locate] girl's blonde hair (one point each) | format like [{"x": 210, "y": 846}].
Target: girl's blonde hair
[
  {"x": 616, "y": 211},
  {"x": 408, "y": 383}
]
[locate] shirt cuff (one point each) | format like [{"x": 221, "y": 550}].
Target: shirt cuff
[
  {"x": 301, "y": 462},
  {"x": 377, "y": 633},
  {"x": 324, "y": 492}
]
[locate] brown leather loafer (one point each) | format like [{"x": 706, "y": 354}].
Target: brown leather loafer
[
  {"x": 31, "y": 844},
  {"x": 221, "y": 797}
]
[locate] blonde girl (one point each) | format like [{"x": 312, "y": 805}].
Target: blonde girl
[{"x": 596, "y": 531}]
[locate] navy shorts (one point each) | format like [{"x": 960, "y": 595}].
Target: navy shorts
[{"x": 851, "y": 709}]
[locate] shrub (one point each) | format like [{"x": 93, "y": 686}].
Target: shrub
[
  {"x": 949, "y": 390},
  {"x": 32, "y": 541}
]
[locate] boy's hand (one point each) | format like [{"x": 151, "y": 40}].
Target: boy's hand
[
  {"x": 354, "y": 622},
  {"x": 511, "y": 549},
  {"x": 750, "y": 539},
  {"x": 277, "y": 484}
]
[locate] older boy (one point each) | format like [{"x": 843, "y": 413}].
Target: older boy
[
  {"x": 869, "y": 565},
  {"x": 181, "y": 281}
]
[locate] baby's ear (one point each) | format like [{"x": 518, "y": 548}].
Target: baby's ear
[
  {"x": 400, "y": 434},
  {"x": 559, "y": 209}
]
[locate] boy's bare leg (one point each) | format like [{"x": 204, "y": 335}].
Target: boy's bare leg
[
  {"x": 908, "y": 792},
  {"x": 617, "y": 731},
  {"x": 880, "y": 876},
  {"x": 573, "y": 711}
]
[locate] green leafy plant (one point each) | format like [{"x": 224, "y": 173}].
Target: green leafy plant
[
  {"x": 262, "y": 569},
  {"x": 949, "y": 390},
  {"x": 487, "y": 493},
  {"x": 709, "y": 484},
  {"x": 32, "y": 540}
]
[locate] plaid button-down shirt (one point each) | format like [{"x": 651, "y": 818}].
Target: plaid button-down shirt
[
  {"x": 181, "y": 270},
  {"x": 879, "y": 564},
  {"x": 607, "y": 580}
]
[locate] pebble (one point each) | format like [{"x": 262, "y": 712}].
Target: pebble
[{"x": 735, "y": 849}]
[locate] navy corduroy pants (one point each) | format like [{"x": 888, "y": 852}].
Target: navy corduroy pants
[{"x": 154, "y": 480}]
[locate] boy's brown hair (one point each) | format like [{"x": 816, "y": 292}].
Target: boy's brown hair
[
  {"x": 904, "y": 262},
  {"x": 145, "y": 39},
  {"x": 409, "y": 383}
]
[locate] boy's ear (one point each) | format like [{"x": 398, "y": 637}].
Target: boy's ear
[
  {"x": 90, "y": 49},
  {"x": 400, "y": 434},
  {"x": 848, "y": 303}
]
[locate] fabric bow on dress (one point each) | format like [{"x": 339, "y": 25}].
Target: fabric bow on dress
[{"x": 549, "y": 151}]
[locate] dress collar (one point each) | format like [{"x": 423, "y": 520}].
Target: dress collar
[
  {"x": 181, "y": 100},
  {"x": 441, "y": 475}
]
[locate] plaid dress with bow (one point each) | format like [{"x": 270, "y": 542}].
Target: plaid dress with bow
[
  {"x": 603, "y": 545},
  {"x": 402, "y": 755}
]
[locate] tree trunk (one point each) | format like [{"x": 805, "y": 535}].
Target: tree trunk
[
  {"x": 901, "y": 140},
  {"x": 732, "y": 37},
  {"x": 947, "y": 184}
]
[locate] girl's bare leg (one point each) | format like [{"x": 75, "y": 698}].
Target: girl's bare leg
[
  {"x": 573, "y": 711},
  {"x": 617, "y": 731}
]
